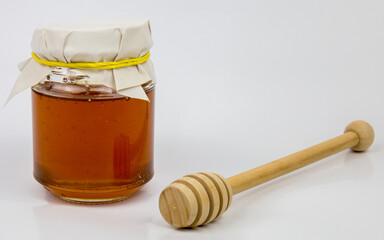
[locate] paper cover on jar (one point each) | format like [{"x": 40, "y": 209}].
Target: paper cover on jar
[{"x": 92, "y": 41}]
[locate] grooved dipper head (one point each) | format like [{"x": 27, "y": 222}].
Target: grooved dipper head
[{"x": 195, "y": 199}]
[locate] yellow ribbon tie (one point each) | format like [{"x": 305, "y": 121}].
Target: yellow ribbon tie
[{"x": 94, "y": 65}]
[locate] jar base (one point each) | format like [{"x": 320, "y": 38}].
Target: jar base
[
  {"x": 91, "y": 201},
  {"x": 91, "y": 196}
]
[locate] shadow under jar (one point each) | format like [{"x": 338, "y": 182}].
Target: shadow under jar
[{"x": 91, "y": 145}]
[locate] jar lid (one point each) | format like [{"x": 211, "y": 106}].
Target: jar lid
[{"x": 91, "y": 42}]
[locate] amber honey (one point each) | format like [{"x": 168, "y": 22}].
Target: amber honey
[{"x": 92, "y": 147}]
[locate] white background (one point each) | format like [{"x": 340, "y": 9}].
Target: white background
[{"x": 240, "y": 83}]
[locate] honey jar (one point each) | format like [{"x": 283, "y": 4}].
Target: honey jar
[{"x": 93, "y": 95}]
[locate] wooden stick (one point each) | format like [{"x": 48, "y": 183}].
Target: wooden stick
[
  {"x": 282, "y": 166},
  {"x": 200, "y": 198}
]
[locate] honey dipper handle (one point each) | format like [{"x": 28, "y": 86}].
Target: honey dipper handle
[{"x": 359, "y": 136}]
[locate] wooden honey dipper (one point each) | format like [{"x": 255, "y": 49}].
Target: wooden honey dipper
[{"x": 200, "y": 198}]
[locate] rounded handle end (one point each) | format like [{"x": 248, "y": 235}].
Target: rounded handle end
[{"x": 365, "y": 133}]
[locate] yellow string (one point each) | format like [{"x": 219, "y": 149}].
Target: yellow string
[{"x": 94, "y": 65}]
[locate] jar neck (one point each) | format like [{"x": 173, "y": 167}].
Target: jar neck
[{"x": 81, "y": 92}]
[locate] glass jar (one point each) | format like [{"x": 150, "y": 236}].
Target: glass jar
[
  {"x": 91, "y": 144},
  {"x": 93, "y": 102}
]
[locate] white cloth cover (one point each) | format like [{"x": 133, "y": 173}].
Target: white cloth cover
[{"x": 92, "y": 41}]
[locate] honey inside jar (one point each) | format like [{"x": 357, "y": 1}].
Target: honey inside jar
[{"x": 90, "y": 143}]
